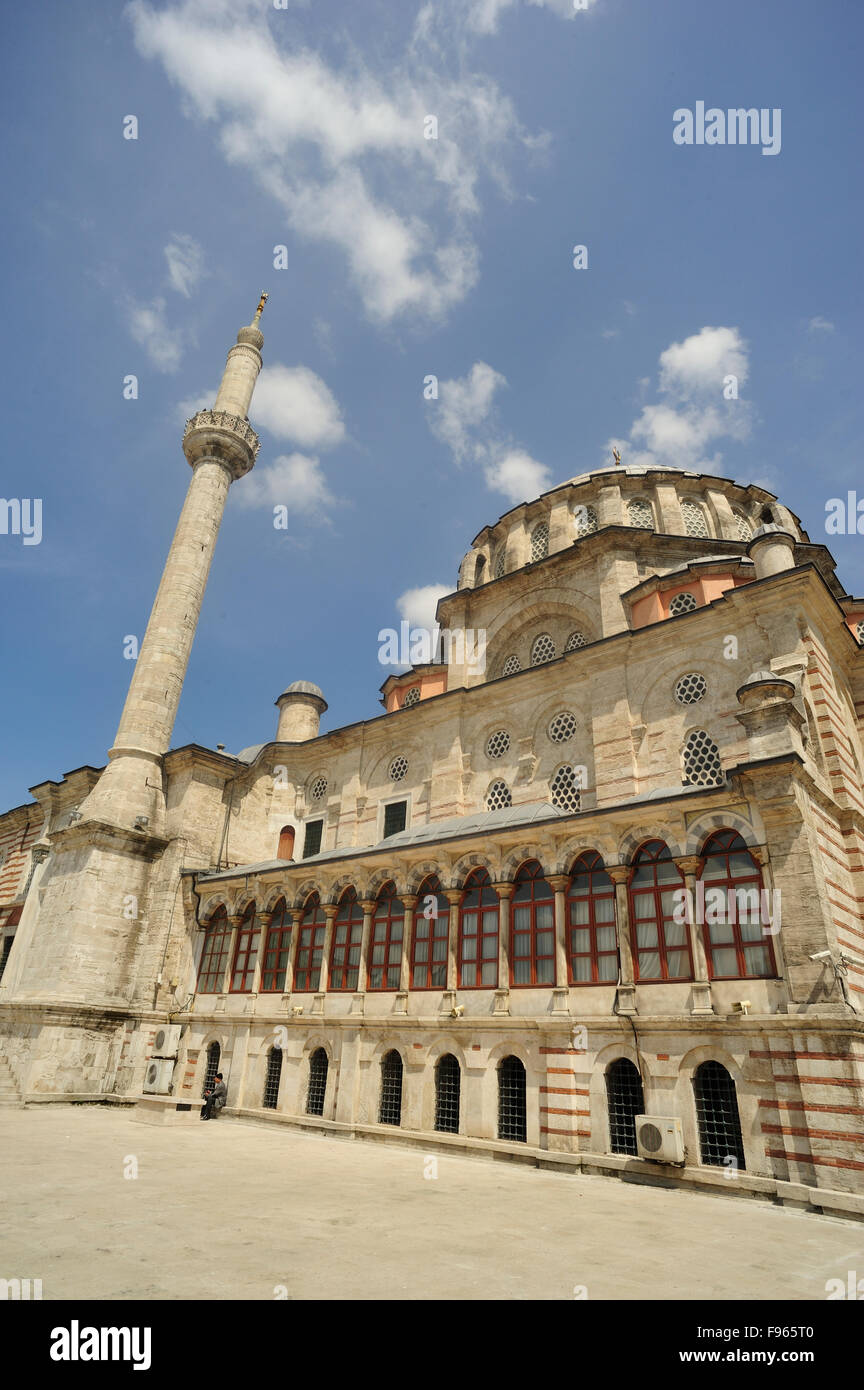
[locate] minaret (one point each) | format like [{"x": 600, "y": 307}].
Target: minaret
[{"x": 220, "y": 446}]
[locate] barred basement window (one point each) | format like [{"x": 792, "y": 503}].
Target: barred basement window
[
  {"x": 500, "y": 563},
  {"x": 576, "y": 640},
  {"x": 318, "y": 788},
  {"x": 565, "y": 789},
  {"x": 585, "y": 519},
  {"x": 319, "y": 1066},
  {"x": 694, "y": 519},
  {"x": 542, "y": 650},
  {"x": 498, "y": 796},
  {"x": 412, "y": 696},
  {"x": 625, "y": 1101},
  {"x": 395, "y": 814},
  {"x": 390, "y": 1109},
  {"x": 512, "y": 1122},
  {"x": 498, "y": 744},
  {"x": 717, "y": 1117},
  {"x": 859, "y": 632},
  {"x": 540, "y": 542},
  {"x": 274, "y": 1074},
  {"x": 214, "y": 1052},
  {"x": 640, "y": 513},
  {"x": 511, "y": 666},
  {"x": 312, "y": 838},
  {"x": 448, "y": 1079},
  {"x": 398, "y": 768},
  {"x": 562, "y": 727},
  {"x": 682, "y": 603},
  {"x": 690, "y": 688},
  {"x": 702, "y": 766},
  {"x": 743, "y": 527},
  {"x": 4, "y": 957}
]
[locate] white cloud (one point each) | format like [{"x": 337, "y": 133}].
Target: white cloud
[
  {"x": 820, "y": 325},
  {"x": 417, "y": 606},
  {"x": 148, "y": 327},
  {"x": 294, "y": 481},
  {"x": 293, "y": 403},
  {"x": 463, "y": 406},
  {"x": 700, "y": 363},
  {"x": 185, "y": 259},
  {"x": 519, "y": 476}
]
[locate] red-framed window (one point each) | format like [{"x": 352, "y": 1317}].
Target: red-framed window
[
  {"x": 532, "y": 928},
  {"x": 214, "y": 957},
  {"x": 431, "y": 935},
  {"x": 385, "y": 950},
  {"x": 277, "y": 949},
  {"x": 347, "y": 939},
  {"x": 736, "y": 943},
  {"x": 592, "y": 944},
  {"x": 661, "y": 945},
  {"x": 245, "y": 952},
  {"x": 310, "y": 945},
  {"x": 479, "y": 922}
]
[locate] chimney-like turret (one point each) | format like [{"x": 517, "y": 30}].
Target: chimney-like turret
[{"x": 300, "y": 709}]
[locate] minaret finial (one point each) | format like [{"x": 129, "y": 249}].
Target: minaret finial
[
  {"x": 616, "y": 456},
  {"x": 258, "y": 312}
]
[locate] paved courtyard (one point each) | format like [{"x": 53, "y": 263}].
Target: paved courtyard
[{"x": 249, "y": 1211}]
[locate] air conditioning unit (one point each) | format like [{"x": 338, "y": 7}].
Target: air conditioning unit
[
  {"x": 167, "y": 1040},
  {"x": 157, "y": 1077},
  {"x": 660, "y": 1138}
]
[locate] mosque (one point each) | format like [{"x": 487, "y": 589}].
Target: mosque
[{"x": 594, "y": 902}]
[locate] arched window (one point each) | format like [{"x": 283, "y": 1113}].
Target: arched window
[
  {"x": 498, "y": 796},
  {"x": 512, "y": 1109},
  {"x": 214, "y": 1053},
  {"x": 390, "y": 1109},
  {"x": 498, "y": 744},
  {"x": 277, "y": 948},
  {"x": 286, "y": 843},
  {"x": 511, "y": 666},
  {"x": 431, "y": 935},
  {"x": 859, "y": 633},
  {"x": 694, "y": 519},
  {"x": 720, "y": 1142},
  {"x": 660, "y": 943},
  {"x": 347, "y": 939},
  {"x": 274, "y": 1076},
  {"x": 448, "y": 1078},
  {"x": 310, "y": 945},
  {"x": 562, "y": 727},
  {"x": 682, "y": 603},
  {"x": 592, "y": 942},
  {"x": 625, "y": 1101},
  {"x": 388, "y": 926},
  {"x": 735, "y": 941},
  {"x": 691, "y": 688},
  {"x": 542, "y": 650},
  {"x": 500, "y": 563},
  {"x": 576, "y": 640},
  {"x": 480, "y": 570},
  {"x": 412, "y": 697},
  {"x": 245, "y": 952},
  {"x": 701, "y": 760},
  {"x": 641, "y": 514},
  {"x": 540, "y": 542},
  {"x": 585, "y": 519},
  {"x": 214, "y": 957},
  {"x": 565, "y": 788},
  {"x": 743, "y": 526},
  {"x": 532, "y": 933},
  {"x": 317, "y": 1089},
  {"x": 478, "y": 933}
]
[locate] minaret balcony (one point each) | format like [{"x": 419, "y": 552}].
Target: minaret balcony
[{"x": 228, "y": 438}]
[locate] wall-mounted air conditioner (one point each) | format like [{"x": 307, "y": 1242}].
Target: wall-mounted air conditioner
[
  {"x": 660, "y": 1138},
  {"x": 157, "y": 1076},
  {"x": 167, "y": 1040}
]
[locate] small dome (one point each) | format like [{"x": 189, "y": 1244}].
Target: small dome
[{"x": 303, "y": 688}]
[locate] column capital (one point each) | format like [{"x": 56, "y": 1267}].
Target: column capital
[
  {"x": 408, "y": 900},
  {"x": 687, "y": 863},
  {"x": 265, "y": 918},
  {"x": 619, "y": 873},
  {"x": 329, "y": 910},
  {"x": 296, "y": 915},
  {"x": 368, "y": 905},
  {"x": 235, "y": 918},
  {"x": 558, "y": 882},
  {"x": 505, "y": 890},
  {"x": 453, "y": 896}
]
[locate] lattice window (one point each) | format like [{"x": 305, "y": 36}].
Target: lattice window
[
  {"x": 640, "y": 513},
  {"x": 682, "y": 603},
  {"x": 214, "y": 1052},
  {"x": 511, "y": 666},
  {"x": 695, "y": 523},
  {"x": 498, "y": 796},
  {"x": 500, "y": 564},
  {"x": 625, "y": 1101},
  {"x": 398, "y": 768},
  {"x": 542, "y": 650},
  {"x": 562, "y": 727},
  {"x": 690, "y": 688},
  {"x": 702, "y": 766},
  {"x": 743, "y": 527},
  {"x": 859, "y": 632},
  {"x": 274, "y": 1075},
  {"x": 448, "y": 1084},
  {"x": 312, "y": 838},
  {"x": 512, "y": 1109},
  {"x": 319, "y": 1065},
  {"x": 576, "y": 640},
  {"x": 318, "y": 788},
  {"x": 566, "y": 790},
  {"x": 498, "y": 744},
  {"x": 540, "y": 541},
  {"x": 585, "y": 519},
  {"x": 717, "y": 1116},
  {"x": 390, "y": 1109},
  {"x": 412, "y": 696},
  {"x": 395, "y": 816}
]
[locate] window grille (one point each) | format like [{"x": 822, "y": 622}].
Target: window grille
[
  {"x": 542, "y": 650},
  {"x": 565, "y": 789},
  {"x": 498, "y": 744},
  {"x": 576, "y": 640},
  {"x": 694, "y": 519},
  {"x": 592, "y": 940},
  {"x": 585, "y": 519},
  {"x": 511, "y": 666},
  {"x": 500, "y": 563},
  {"x": 347, "y": 939},
  {"x": 318, "y": 788},
  {"x": 412, "y": 697},
  {"x": 4, "y": 957},
  {"x": 660, "y": 942},
  {"x": 717, "y": 1116},
  {"x": 431, "y": 937},
  {"x": 690, "y": 688},
  {"x": 498, "y": 796},
  {"x": 540, "y": 542},
  {"x": 310, "y": 946},
  {"x": 478, "y": 933},
  {"x": 274, "y": 1075},
  {"x": 312, "y": 838},
  {"x": 319, "y": 1066},
  {"x": 625, "y": 1101},
  {"x": 859, "y": 632},
  {"x": 682, "y": 603},
  {"x": 562, "y": 727},
  {"x": 743, "y": 527},
  {"x": 214, "y": 958},
  {"x": 214, "y": 1052},
  {"x": 448, "y": 1080},
  {"x": 395, "y": 814},
  {"x": 277, "y": 948},
  {"x": 398, "y": 768},
  {"x": 388, "y": 925},
  {"x": 702, "y": 766},
  {"x": 512, "y": 1116},
  {"x": 390, "y": 1109},
  {"x": 640, "y": 514}
]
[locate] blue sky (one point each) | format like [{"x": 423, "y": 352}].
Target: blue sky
[{"x": 304, "y": 127}]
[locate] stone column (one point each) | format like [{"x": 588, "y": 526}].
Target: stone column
[
  {"x": 505, "y": 892},
  {"x": 559, "y": 883},
  {"x": 263, "y": 920},
  {"x": 235, "y": 918},
  {"x": 296, "y": 919},
  {"x": 702, "y": 1004},
  {"x": 454, "y": 898},
  {"x": 368, "y": 905},
  {"x": 329, "y": 910},
  {"x": 626, "y": 993},
  {"x": 409, "y": 902}
]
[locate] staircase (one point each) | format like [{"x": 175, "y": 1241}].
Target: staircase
[{"x": 9, "y": 1093}]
